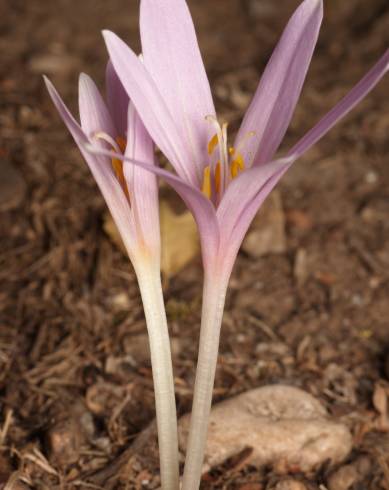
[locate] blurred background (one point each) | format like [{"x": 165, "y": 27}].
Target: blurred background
[{"x": 308, "y": 302}]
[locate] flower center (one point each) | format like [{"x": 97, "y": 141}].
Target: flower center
[
  {"x": 230, "y": 163},
  {"x": 119, "y": 146}
]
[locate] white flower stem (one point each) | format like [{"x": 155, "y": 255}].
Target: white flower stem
[
  {"x": 149, "y": 280},
  {"x": 214, "y": 293}
]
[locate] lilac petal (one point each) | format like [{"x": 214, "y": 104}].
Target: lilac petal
[
  {"x": 272, "y": 107},
  {"x": 239, "y": 194},
  {"x": 102, "y": 172},
  {"x": 251, "y": 208},
  {"x": 172, "y": 57},
  {"x": 150, "y": 105},
  {"x": 237, "y": 226},
  {"x": 200, "y": 206},
  {"x": 117, "y": 100},
  {"x": 368, "y": 82},
  {"x": 94, "y": 114},
  {"x": 142, "y": 185}
]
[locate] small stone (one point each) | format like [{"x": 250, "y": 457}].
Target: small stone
[
  {"x": 284, "y": 426},
  {"x": 121, "y": 301},
  {"x": 103, "y": 443},
  {"x": 380, "y": 402},
  {"x": 371, "y": 177},
  {"x": 64, "y": 442},
  {"x": 263, "y": 9},
  {"x": 290, "y": 485},
  {"x": 267, "y": 232},
  {"x": 137, "y": 348},
  {"x": 103, "y": 397},
  {"x": 300, "y": 269},
  {"x": 251, "y": 486},
  {"x": 118, "y": 365},
  {"x": 72, "y": 425},
  {"x": 53, "y": 64},
  {"x": 299, "y": 219},
  {"x": 363, "y": 465},
  {"x": 343, "y": 478}
]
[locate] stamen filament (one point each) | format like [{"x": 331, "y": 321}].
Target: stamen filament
[
  {"x": 231, "y": 161},
  {"x": 224, "y": 158},
  {"x": 108, "y": 139}
]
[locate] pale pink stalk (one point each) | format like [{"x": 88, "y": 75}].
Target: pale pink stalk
[
  {"x": 223, "y": 186},
  {"x": 131, "y": 194}
]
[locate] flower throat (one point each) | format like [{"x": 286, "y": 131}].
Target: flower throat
[{"x": 216, "y": 176}]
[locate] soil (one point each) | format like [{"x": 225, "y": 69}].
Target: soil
[{"x": 75, "y": 379}]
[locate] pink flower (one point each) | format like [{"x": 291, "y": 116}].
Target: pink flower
[
  {"x": 171, "y": 92},
  {"x": 222, "y": 185},
  {"x": 131, "y": 194}
]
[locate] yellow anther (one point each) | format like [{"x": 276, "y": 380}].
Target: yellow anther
[
  {"x": 118, "y": 145},
  {"x": 217, "y": 177},
  {"x": 206, "y": 187},
  {"x": 117, "y": 165},
  {"x": 231, "y": 150},
  {"x": 122, "y": 143},
  {"x": 237, "y": 165},
  {"x": 118, "y": 168},
  {"x": 213, "y": 142}
]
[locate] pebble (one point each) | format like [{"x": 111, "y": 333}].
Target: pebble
[
  {"x": 69, "y": 432},
  {"x": 346, "y": 476},
  {"x": 137, "y": 347},
  {"x": 290, "y": 485},
  {"x": 64, "y": 442},
  {"x": 343, "y": 478},
  {"x": 285, "y": 426},
  {"x": 251, "y": 486},
  {"x": 53, "y": 64}
]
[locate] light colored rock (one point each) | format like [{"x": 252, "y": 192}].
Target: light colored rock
[
  {"x": 267, "y": 232},
  {"x": 137, "y": 347},
  {"x": 58, "y": 64},
  {"x": 285, "y": 427},
  {"x": 343, "y": 478},
  {"x": 138, "y": 350},
  {"x": 290, "y": 485}
]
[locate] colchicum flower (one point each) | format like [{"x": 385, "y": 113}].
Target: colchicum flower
[
  {"x": 222, "y": 185},
  {"x": 131, "y": 194}
]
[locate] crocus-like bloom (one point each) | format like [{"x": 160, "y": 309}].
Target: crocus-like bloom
[
  {"x": 131, "y": 194},
  {"x": 223, "y": 185}
]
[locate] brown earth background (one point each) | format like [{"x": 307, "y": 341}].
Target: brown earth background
[{"x": 75, "y": 379}]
